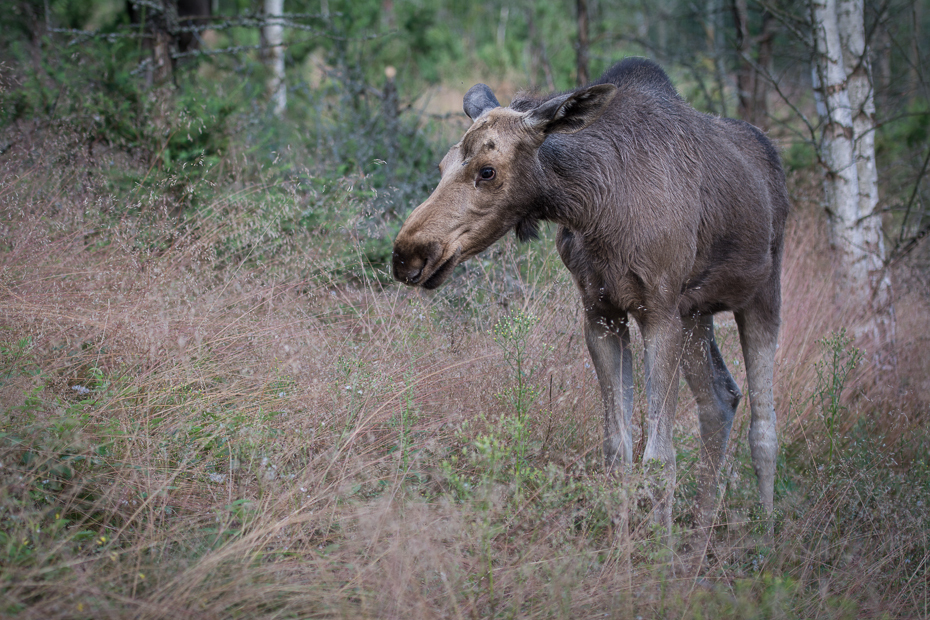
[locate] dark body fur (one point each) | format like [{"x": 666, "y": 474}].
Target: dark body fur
[
  {"x": 657, "y": 199},
  {"x": 665, "y": 215}
]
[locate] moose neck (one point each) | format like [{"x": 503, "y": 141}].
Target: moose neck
[{"x": 578, "y": 192}]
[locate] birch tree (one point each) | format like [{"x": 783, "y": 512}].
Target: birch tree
[
  {"x": 850, "y": 19},
  {"x": 273, "y": 32},
  {"x": 842, "y": 82}
]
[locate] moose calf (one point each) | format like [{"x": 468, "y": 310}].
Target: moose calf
[{"x": 665, "y": 214}]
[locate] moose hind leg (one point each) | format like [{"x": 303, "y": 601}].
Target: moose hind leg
[
  {"x": 717, "y": 397},
  {"x": 758, "y": 330},
  {"x": 609, "y": 345},
  {"x": 662, "y": 337}
]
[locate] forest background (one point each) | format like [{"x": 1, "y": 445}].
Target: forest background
[{"x": 215, "y": 403}]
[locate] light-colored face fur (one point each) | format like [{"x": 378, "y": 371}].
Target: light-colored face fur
[
  {"x": 464, "y": 214},
  {"x": 487, "y": 185}
]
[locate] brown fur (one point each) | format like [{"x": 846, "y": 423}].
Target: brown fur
[{"x": 665, "y": 214}]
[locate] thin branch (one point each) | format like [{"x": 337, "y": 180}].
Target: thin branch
[
  {"x": 911, "y": 244},
  {"x": 799, "y": 27},
  {"x": 910, "y": 205},
  {"x": 110, "y": 37},
  {"x": 912, "y": 63},
  {"x": 760, "y": 70}
]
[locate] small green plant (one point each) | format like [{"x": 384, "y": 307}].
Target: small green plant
[
  {"x": 511, "y": 334},
  {"x": 404, "y": 421},
  {"x": 15, "y": 359},
  {"x": 833, "y": 371}
]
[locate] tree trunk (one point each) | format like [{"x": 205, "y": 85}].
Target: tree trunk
[
  {"x": 582, "y": 60},
  {"x": 915, "y": 72},
  {"x": 847, "y": 147},
  {"x": 745, "y": 74},
  {"x": 197, "y": 13},
  {"x": 761, "y": 91},
  {"x": 881, "y": 52},
  {"x": 752, "y": 91},
  {"x": 502, "y": 26},
  {"x": 274, "y": 39},
  {"x": 163, "y": 24},
  {"x": 837, "y": 149},
  {"x": 539, "y": 54},
  {"x": 718, "y": 46},
  {"x": 850, "y": 19}
]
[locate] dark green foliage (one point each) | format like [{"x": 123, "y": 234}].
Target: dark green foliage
[
  {"x": 346, "y": 164},
  {"x": 98, "y": 95}
]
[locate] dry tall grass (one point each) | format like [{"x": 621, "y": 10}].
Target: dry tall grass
[{"x": 201, "y": 421}]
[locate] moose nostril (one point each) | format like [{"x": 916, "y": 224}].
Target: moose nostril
[{"x": 411, "y": 261}]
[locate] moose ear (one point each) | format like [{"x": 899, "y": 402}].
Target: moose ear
[
  {"x": 478, "y": 100},
  {"x": 571, "y": 112}
]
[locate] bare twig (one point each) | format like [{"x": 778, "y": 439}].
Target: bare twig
[{"x": 900, "y": 252}]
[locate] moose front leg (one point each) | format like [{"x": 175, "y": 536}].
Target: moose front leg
[
  {"x": 662, "y": 339},
  {"x": 609, "y": 345}
]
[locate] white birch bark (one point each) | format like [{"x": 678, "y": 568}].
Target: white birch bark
[
  {"x": 846, "y": 107},
  {"x": 274, "y": 38},
  {"x": 841, "y": 184},
  {"x": 843, "y": 89},
  {"x": 850, "y": 19}
]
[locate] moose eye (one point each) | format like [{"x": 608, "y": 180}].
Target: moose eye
[{"x": 486, "y": 174}]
